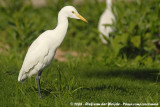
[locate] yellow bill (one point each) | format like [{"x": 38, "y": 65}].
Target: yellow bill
[{"x": 83, "y": 19}]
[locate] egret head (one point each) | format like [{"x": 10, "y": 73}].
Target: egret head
[{"x": 71, "y": 12}]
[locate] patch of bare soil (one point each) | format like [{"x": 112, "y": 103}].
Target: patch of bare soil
[
  {"x": 61, "y": 55},
  {"x": 4, "y": 47}
]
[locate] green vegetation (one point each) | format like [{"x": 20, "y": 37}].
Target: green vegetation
[{"x": 126, "y": 70}]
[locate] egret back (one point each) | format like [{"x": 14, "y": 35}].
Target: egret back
[
  {"x": 42, "y": 51},
  {"x": 39, "y": 55}
]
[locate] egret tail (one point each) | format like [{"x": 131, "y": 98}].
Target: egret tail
[{"x": 22, "y": 77}]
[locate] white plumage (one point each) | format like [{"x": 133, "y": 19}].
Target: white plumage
[
  {"x": 106, "y": 18},
  {"x": 42, "y": 50}
]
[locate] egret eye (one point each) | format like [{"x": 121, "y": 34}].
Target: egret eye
[{"x": 73, "y": 12}]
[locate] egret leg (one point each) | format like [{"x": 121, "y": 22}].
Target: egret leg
[{"x": 38, "y": 77}]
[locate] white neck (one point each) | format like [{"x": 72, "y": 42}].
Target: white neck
[
  {"x": 62, "y": 19},
  {"x": 109, "y": 4},
  {"x": 62, "y": 27}
]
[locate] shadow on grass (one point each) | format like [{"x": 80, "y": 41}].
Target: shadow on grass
[
  {"x": 132, "y": 74},
  {"x": 104, "y": 87},
  {"x": 140, "y": 74}
]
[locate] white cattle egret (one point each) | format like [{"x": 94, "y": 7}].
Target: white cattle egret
[
  {"x": 43, "y": 49},
  {"x": 106, "y": 18}
]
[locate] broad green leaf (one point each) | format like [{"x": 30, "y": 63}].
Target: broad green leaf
[
  {"x": 136, "y": 41},
  {"x": 119, "y": 42}
]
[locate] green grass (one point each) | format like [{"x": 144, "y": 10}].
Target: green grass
[
  {"x": 79, "y": 81},
  {"x": 121, "y": 72}
]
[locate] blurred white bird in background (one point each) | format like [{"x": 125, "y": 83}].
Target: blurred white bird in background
[
  {"x": 106, "y": 18},
  {"x": 42, "y": 50}
]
